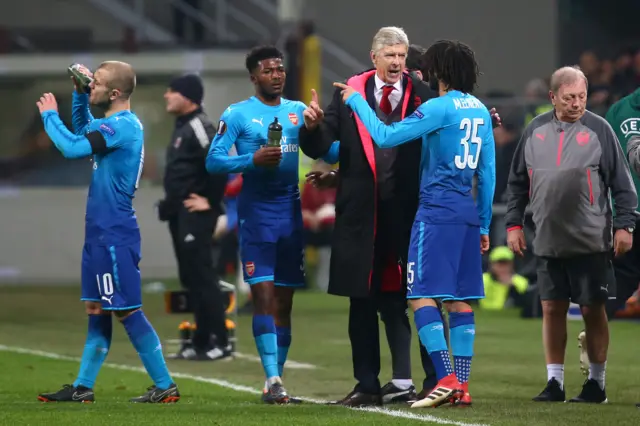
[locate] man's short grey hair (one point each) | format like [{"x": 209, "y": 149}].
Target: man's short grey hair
[
  {"x": 389, "y": 36},
  {"x": 568, "y": 76}
]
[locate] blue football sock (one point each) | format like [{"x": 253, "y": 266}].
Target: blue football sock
[
  {"x": 463, "y": 334},
  {"x": 284, "y": 343},
  {"x": 264, "y": 332},
  {"x": 146, "y": 341},
  {"x": 431, "y": 331},
  {"x": 95, "y": 351}
]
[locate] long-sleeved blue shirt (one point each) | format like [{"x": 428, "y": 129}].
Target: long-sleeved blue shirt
[
  {"x": 117, "y": 146},
  {"x": 266, "y": 191},
  {"x": 457, "y": 143}
]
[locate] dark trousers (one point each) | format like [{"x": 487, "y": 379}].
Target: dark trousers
[
  {"x": 364, "y": 329},
  {"x": 197, "y": 258}
]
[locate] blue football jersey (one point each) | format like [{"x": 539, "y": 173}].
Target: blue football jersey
[
  {"x": 117, "y": 167},
  {"x": 266, "y": 191},
  {"x": 457, "y": 144}
]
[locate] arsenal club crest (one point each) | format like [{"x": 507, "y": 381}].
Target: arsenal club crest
[
  {"x": 249, "y": 268},
  {"x": 293, "y": 117},
  {"x": 582, "y": 138},
  {"x": 177, "y": 143}
]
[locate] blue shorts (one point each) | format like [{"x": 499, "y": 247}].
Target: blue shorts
[
  {"x": 444, "y": 262},
  {"x": 272, "y": 250},
  {"x": 111, "y": 276}
]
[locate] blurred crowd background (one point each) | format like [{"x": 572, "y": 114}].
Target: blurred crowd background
[{"x": 518, "y": 46}]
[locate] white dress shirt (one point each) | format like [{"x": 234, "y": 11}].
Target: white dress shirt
[{"x": 394, "y": 97}]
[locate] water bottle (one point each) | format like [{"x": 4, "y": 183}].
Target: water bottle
[
  {"x": 82, "y": 80},
  {"x": 274, "y": 133}
]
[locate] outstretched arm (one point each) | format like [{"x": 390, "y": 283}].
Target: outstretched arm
[{"x": 426, "y": 119}]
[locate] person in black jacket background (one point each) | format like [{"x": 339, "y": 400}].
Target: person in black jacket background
[{"x": 192, "y": 204}]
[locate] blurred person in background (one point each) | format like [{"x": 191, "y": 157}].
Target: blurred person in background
[
  {"x": 567, "y": 163},
  {"x": 622, "y": 81},
  {"x": 503, "y": 288},
  {"x": 599, "y": 97},
  {"x": 506, "y": 138},
  {"x": 192, "y": 204},
  {"x": 318, "y": 215},
  {"x": 536, "y": 93},
  {"x": 39, "y": 163}
]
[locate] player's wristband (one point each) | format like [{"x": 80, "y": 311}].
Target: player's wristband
[{"x": 513, "y": 228}]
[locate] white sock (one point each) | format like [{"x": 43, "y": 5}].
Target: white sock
[
  {"x": 597, "y": 372},
  {"x": 272, "y": 381},
  {"x": 402, "y": 384},
  {"x": 556, "y": 371}
]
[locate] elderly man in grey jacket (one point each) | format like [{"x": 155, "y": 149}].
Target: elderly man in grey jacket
[{"x": 566, "y": 166}]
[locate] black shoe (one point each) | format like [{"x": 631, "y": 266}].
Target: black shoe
[
  {"x": 552, "y": 393},
  {"x": 276, "y": 394},
  {"x": 155, "y": 395},
  {"x": 69, "y": 393},
  {"x": 359, "y": 399},
  {"x": 390, "y": 393},
  {"x": 591, "y": 393}
]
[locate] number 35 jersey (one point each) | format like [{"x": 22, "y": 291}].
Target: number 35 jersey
[{"x": 461, "y": 148}]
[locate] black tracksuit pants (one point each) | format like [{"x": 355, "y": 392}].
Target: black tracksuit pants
[{"x": 197, "y": 258}]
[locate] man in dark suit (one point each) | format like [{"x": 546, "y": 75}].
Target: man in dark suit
[
  {"x": 376, "y": 202},
  {"x": 375, "y": 205}
]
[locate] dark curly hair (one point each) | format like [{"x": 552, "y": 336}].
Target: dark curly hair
[{"x": 453, "y": 63}]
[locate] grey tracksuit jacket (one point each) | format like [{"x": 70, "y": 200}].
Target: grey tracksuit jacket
[{"x": 567, "y": 172}]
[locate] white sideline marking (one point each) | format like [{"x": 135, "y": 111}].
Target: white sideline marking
[
  {"x": 242, "y": 388},
  {"x": 290, "y": 363}
]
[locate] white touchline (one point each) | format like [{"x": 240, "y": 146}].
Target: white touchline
[
  {"x": 241, "y": 388},
  {"x": 290, "y": 364}
]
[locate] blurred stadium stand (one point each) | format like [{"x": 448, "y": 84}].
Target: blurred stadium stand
[{"x": 43, "y": 195}]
